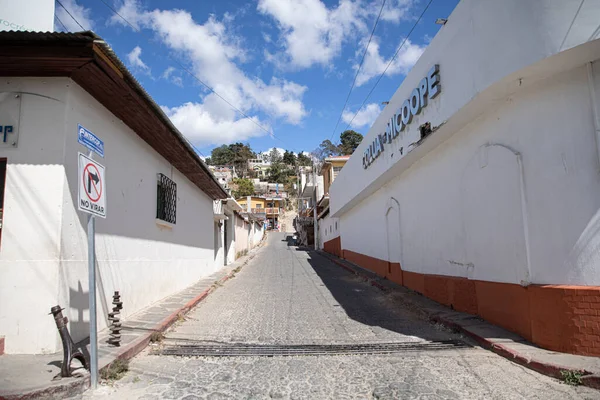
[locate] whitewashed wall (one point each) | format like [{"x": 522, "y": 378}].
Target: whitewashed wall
[
  {"x": 33, "y": 207},
  {"x": 329, "y": 228},
  {"x": 143, "y": 260},
  {"x": 487, "y": 51},
  {"x": 513, "y": 197}
]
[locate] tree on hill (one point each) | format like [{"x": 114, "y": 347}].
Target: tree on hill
[
  {"x": 304, "y": 160},
  {"x": 236, "y": 154},
  {"x": 221, "y": 155},
  {"x": 326, "y": 149},
  {"x": 279, "y": 172},
  {"x": 289, "y": 158},
  {"x": 242, "y": 187},
  {"x": 274, "y": 156},
  {"x": 349, "y": 141}
]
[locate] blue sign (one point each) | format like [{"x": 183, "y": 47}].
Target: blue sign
[{"x": 89, "y": 140}]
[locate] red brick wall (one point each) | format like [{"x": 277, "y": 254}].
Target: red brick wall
[
  {"x": 560, "y": 311},
  {"x": 556, "y": 317}
]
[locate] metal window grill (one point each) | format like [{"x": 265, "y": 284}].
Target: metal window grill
[{"x": 166, "y": 199}]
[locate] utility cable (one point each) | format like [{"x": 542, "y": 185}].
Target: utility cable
[
  {"x": 70, "y": 15},
  {"x": 358, "y": 70},
  {"x": 61, "y": 23},
  {"x": 390, "y": 63}
]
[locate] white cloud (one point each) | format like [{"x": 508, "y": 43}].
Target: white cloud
[
  {"x": 79, "y": 12},
  {"x": 268, "y": 151},
  {"x": 135, "y": 60},
  {"x": 203, "y": 128},
  {"x": 364, "y": 118},
  {"x": 311, "y": 33},
  {"x": 374, "y": 64},
  {"x": 171, "y": 75},
  {"x": 393, "y": 11},
  {"x": 214, "y": 54}
]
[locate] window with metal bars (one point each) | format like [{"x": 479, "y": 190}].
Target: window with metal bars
[{"x": 166, "y": 199}]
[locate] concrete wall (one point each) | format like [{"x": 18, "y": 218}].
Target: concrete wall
[
  {"x": 144, "y": 260},
  {"x": 31, "y": 227},
  {"x": 506, "y": 189},
  {"x": 483, "y": 52},
  {"x": 329, "y": 228},
  {"x": 513, "y": 197},
  {"x": 241, "y": 235}
]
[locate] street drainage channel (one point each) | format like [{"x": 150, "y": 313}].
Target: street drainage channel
[{"x": 199, "y": 349}]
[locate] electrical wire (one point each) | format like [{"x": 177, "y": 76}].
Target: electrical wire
[
  {"x": 61, "y": 23},
  {"x": 358, "y": 70},
  {"x": 70, "y": 15},
  {"x": 195, "y": 77},
  {"x": 390, "y": 63}
]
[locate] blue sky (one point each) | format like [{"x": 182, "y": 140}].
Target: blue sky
[{"x": 287, "y": 64}]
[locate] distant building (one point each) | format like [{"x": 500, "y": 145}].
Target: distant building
[
  {"x": 329, "y": 239},
  {"x": 269, "y": 206},
  {"x": 224, "y": 174}
]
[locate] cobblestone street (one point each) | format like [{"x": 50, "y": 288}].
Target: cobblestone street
[{"x": 288, "y": 296}]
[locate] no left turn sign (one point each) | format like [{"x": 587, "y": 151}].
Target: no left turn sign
[{"x": 92, "y": 187}]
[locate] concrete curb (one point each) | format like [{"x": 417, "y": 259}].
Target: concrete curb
[
  {"x": 588, "y": 379},
  {"x": 73, "y": 387}
]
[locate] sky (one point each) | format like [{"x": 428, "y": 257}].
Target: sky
[{"x": 279, "y": 70}]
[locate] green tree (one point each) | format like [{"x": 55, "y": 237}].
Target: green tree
[
  {"x": 349, "y": 141},
  {"x": 274, "y": 156},
  {"x": 278, "y": 172},
  {"x": 221, "y": 155},
  {"x": 243, "y": 187},
  {"x": 236, "y": 154},
  {"x": 289, "y": 158},
  {"x": 326, "y": 149},
  {"x": 304, "y": 160},
  {"x": 241, "y": 154}
]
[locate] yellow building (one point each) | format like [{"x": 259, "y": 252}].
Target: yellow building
[
  {"x": 331, "y": 167},
  {"x": 270, "y": 206}
]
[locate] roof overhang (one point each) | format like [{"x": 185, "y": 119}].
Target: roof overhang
[
  {"x": 231, "y": 204},
  {"x": 88, "y": 60}
]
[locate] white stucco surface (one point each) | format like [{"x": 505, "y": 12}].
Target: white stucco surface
[
  {"x": 44, "y": 240},
  {"x": 506, "y": 189}
]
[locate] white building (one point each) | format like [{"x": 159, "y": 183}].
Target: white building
[
  {"x": 145, "y": 248},
  {"x": 487, "y": 197}
]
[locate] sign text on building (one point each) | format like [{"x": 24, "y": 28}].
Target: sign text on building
[{"x": 428, "y": 88}]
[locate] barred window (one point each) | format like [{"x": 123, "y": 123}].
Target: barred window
[{"x": 166, "y": 199}]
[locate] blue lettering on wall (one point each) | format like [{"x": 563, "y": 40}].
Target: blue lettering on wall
[{"x": 5, "y": 130}]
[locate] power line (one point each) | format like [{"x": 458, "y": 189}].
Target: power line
[
  {"x": 77, "y": 22},
  {"x": 194, "y": 76},
  {"x": 63, "y": 25},
  {"x": 358, "y": 70},
  {"x": 390, "y": 63}
]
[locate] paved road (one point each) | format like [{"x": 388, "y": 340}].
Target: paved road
[{"x": 288, "y": 296}]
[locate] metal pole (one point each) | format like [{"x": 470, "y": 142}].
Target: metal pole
[
  {"x": 316, "y": 228},
  {"x": 92, "y": 287}
]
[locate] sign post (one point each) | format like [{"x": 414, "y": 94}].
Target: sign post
[
  {"x": 91, "y": 228},
  {"x": 92, "y": 200}
]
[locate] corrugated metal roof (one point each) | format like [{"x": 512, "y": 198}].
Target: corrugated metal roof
[{"x": 70, "y": 61}]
